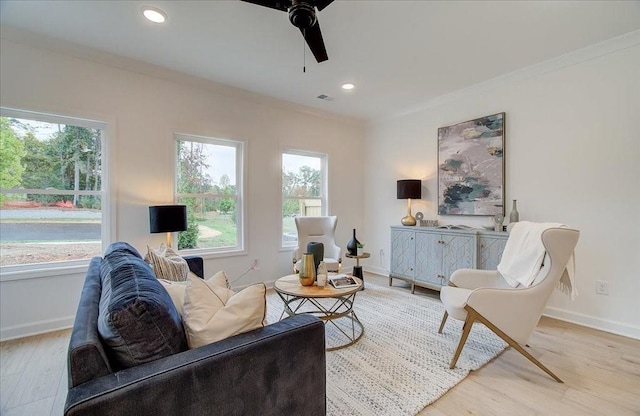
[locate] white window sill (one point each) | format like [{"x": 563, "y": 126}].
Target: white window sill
[{"x": 40, "y": 271}]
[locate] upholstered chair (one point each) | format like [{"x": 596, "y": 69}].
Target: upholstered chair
[
  {"x": 510, "y": 312},
  {"x": 320, "y": 230}
]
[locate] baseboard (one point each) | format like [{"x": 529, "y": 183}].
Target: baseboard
[
  {"x": 605, "y": 325},
  {"x": 36, "y": 328},
  {"x": 618, "y": 328},
  {"x": 269, "y": 284},
  {"x": 376, "y": 270}
]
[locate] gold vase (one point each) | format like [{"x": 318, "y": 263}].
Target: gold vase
[{"x": 307, "y": 270}]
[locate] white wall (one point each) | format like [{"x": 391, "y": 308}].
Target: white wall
[
  {"x": 572, "y": 155},
  {"x": 143, "y": 112}
]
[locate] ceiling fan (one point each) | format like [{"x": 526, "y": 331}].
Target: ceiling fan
[{"x": 302, "y": 13}]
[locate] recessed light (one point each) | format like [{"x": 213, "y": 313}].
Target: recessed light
[
  {"x": 348, "y": 86},
  {"x": 153, "y": 14}
]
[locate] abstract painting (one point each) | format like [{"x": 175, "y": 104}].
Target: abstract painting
[{"x": 471, "y": 167}]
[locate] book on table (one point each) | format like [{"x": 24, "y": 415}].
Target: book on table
[
  {"x": 456, "y": 227},
  {"x": 341, "y": 281}
]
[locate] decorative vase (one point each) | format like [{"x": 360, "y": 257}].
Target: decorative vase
[
  {"x": 498, "y": 219},
  {"x": 317, "y": 249},
  {"x": 352, "y": 245},
  {"x": 307, "y": 273},
  {"x": 322, "y": 275},
  {"x": 514, "y": 215}
]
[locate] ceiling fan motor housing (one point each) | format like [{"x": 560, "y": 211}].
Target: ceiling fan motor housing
[{"x": 302, "y": 15}]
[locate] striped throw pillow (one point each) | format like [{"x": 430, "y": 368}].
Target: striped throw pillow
[{"x": 167, "y": 264}]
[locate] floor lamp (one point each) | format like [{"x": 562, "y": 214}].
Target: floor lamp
[
  {"x": 407, "y": 189},
  {"x": 167, "y": 219}
]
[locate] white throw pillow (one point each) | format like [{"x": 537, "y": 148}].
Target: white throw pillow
[
  {"x": 212, "y": 313},
  {"x": 177, "y": 289},
  {"x": 167, "y": 264},
  {"x": 220, "y": 279}
]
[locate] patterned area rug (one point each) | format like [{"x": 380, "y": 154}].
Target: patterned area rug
[{"x": 401, "y": 364}]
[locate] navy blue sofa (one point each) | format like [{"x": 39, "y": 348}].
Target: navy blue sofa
[{"x": 276, "y": 370}]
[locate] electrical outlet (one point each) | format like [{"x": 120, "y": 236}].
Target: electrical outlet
[
  {"x": 256, "y": 265},
  {"x": 381, "y": 253},
  {"x": 602, "y": 287}
]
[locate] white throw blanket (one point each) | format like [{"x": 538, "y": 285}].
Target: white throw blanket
[{"x": 524, "y": 254}]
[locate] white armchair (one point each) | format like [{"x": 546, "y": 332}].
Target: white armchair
[
  {"x": 321, "y": 230},
  {"x": 512, "y": 313}
]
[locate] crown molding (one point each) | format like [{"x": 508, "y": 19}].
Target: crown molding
[
  {"x": 629, "y": 40},
  {"x": 35, "y": 40}
]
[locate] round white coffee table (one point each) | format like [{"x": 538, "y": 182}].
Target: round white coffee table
[{"x": 333, "y": 306}]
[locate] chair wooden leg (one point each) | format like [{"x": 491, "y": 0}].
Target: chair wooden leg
[
  {"x": 444, "y": 319},
  {"x": 446, "y": 315},
  {"x": 466, "y": 328},
  {"x": 512, "y": 343}
]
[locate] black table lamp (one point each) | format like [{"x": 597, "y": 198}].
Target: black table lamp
[
  {"x": 167, "y": 219},
  {"x": 408, "y": 189}
]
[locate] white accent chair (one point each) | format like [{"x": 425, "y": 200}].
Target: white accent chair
[
  {"x": 512, "y": 313},
  {"x": 320, "y": 230}
]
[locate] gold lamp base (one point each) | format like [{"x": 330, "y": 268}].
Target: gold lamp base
[{"x": 409, "y": 220}]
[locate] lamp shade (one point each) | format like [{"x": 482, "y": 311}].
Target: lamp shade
[
  {"x": 409, "y": 188},
  {"x": 167, "y": 218}
]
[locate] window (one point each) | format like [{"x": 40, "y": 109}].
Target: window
[
  {"x": 304, "y": 190},
  {"x": 52, "y": 189},
  {"x": 209, "y": 183}
]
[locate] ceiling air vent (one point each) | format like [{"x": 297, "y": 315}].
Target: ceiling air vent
[{"x": 325, "y": 97}]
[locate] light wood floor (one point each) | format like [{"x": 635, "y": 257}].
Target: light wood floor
[{"x": 601, "y": 373}]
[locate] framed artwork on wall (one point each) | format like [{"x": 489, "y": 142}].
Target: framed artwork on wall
[{"x": 471, "y": 167}]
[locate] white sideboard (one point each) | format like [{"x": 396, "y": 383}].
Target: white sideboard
[{"x": 427, "y": 256}]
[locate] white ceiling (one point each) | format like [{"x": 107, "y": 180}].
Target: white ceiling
[{"x": 400, "y": 54}]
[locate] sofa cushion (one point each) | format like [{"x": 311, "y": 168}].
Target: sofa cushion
[
  {"x": 212, "y": 313},
  {"x": 137, "y": 319},
  {"x": 167, "y": 264}
]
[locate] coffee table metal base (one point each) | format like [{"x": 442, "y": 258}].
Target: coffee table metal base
[{"x": 332, "y": 311}]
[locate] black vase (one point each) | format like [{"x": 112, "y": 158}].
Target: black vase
[
  {"x": 317, "y": 249},
  {"x": 352, "y": 245}
]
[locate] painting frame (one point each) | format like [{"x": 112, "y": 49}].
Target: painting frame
[{"x": 471, "y": 167}]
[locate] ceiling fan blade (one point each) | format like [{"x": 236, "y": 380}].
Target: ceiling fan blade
[
  {"x": 313, "y": 37},
  {"x": 281, "y": 5},
  {"x": 321, "y": 4}
]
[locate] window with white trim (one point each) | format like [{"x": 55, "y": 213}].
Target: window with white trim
[
  {"x": 53, "y": 193},
  {"x": 209, "y": 181},
  {"x": 304, "y": 190}
]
